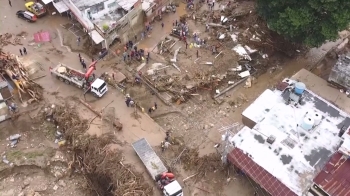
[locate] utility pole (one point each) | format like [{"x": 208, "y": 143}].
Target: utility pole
[{"x": 225, "y": 138}]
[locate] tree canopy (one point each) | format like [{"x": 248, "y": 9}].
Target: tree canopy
[{"x": 310, "y": 22}]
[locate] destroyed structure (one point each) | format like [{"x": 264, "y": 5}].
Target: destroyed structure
[
  {"x": 340, "y": 74},
  {"x": 107, "y": 20},
  {"x": 289, "y": 136}
]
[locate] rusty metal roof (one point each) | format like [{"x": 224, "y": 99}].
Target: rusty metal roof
[
  {"x": 335, "y": 176},
  {"x": 267, "y": 181}
]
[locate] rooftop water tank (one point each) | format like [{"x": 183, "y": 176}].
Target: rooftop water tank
[
  {"x": 317, "y": 118},
  {"x": 299, "y": 88},
  {"x": 308, "y": 123}
]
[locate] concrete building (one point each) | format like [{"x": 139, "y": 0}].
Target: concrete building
[
  {"x": 340, "y": 74},
  {"x": 153, "y": 8},
  {"x": 107, "y": 20},
  {"x": 289, "y": 137},
  {"x": 5, "y": 94}
]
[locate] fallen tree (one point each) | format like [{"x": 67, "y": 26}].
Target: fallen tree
[{"x": 103, "y": 167}]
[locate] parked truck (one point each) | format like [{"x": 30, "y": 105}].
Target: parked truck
[
  {"x": 164, "y": 179},
  {"x": 86, "y": 81}
]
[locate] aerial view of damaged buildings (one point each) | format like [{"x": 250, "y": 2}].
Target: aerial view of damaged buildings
[{"x": 296, "y": 138}]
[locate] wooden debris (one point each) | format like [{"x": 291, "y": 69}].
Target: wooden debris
[
  {"x": 189, "y": 177},
  {"x": 116, "y": 123},
  {"x": 12, "y": 66}
]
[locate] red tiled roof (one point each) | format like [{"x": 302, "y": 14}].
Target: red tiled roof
[
  {"x": 267, "y": 181},
  {"x": 335, "y": 176}
]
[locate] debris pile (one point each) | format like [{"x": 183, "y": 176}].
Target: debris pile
[
  {"x": 14, "y": 139},
  {"x": 239, "y": 23},
  {"x": 10, "y": 65},
  {"x": 165, "y": 45},
  {"x": 7, "y": 38},
  {"x": 102, "y": 166},
  {"x": 191, "y": 161}
]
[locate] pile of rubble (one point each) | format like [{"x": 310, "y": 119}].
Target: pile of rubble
[
  {"x": 165, "y": 45},
  {"x": 236, "y": 45},
  {"x": 103, "y": 167},
  {"x": 10, "y": 65},
  {"x": 7, "y": 39},
  {"x": 239, "y": 23},
  {"x": 191, "y": 161}
]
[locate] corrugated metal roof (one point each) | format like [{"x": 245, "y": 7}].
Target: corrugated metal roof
[
  {"x": 267, "y": 181},
  {"x": 335, "y": 176}
]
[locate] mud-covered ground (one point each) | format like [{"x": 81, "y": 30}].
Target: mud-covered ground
[
  {"x": 198, "y": 123},
  {"x": 38, "y": 166}
]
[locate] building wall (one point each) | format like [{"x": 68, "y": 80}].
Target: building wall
[
  {"x": 81, "y": 18},
  {"x": 248, "y": 122},
  {"x": 156, "y": 10},
  {"x": 128, "y": 26}
]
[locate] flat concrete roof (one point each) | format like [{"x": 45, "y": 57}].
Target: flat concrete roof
[{"x": 320, "y": 87}]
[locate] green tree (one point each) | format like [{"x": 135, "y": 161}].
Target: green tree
[{"x": 310, "y": 22}]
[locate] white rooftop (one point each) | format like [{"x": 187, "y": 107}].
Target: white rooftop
[
  {"x": 297, "y": 154},
  {"x": 125, "y": 4}
]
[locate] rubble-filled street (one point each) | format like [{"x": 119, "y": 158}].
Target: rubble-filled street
[{"x": 72, "y": 111}]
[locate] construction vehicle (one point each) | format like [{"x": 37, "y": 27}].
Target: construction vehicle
[
  {"x": 86, "y": 81},
  {"x": 165, "y": 180},
  {"x": 36, "y": 8}
]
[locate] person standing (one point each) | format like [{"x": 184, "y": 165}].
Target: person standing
[
  {"x": 127, "y": 101},
  {"x": 155, "y": 105},
  {"x": 24, "y": 51},
  {"x": 162, "y": 25},
  {"x": 124, "y": 55},
  {"x": 84, "y": 65},
  {"x": 197, "y": 53},
  {"x": 78, "y": 41},
  {"x": 166, "y": 144},
  {"x": 20, "y": 51},
  {"x": 186, "y": 44},
  {"x": 10, "y": 3}
]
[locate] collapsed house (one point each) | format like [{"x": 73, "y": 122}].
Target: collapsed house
[{"x": 289, "y": 136}]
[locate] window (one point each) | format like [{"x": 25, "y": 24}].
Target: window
[{"x": 101, "y": 87}]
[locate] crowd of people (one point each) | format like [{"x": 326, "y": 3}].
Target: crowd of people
[{"x": 131, "y": 52}]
